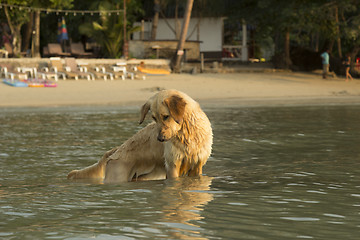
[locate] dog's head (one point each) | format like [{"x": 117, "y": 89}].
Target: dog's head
[{"x": 167, "y": 109}]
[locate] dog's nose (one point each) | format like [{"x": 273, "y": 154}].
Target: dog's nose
[{"x": 160, "y": 138}]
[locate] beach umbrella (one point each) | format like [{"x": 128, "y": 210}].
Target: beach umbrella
[{"x": 62, "y": 31}]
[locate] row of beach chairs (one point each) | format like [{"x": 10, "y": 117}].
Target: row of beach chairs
[
  {"x": 70, "y": 69},
  {"x": 75, "y": 50},
  {"x": 52, "y": 50}
]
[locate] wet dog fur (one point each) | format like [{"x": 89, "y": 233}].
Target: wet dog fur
[{"x": 178, "y": 143}]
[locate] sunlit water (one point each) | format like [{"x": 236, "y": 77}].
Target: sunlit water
[{"x": 275, "y": 173}]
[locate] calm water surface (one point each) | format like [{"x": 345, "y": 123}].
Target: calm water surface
[{"x": 275, "y": 173}]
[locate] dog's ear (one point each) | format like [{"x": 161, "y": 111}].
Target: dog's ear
[
  {"x": 176, "y": 106},
  {"x": 144, "y": 110}
]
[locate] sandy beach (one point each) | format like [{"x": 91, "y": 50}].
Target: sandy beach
[{"x": 246, "y": 89}]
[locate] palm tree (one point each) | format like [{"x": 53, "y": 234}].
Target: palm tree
[
  {"x": 180, "y": 47},
  {"x": 155, "y": 19},
  {"x": 108, "y": 32}
]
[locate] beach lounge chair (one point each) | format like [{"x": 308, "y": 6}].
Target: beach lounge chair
[
  {"x": 118, "y": 73},
  {"x": 121, "y": 69},
  {"x": 56, "y": 67},
  {"x": 46, "y": 74},
  {"x": 130, "y": 71},
  {"x": 9, "y": 49},
  {"x": 137, "y": 74},
  {"x": 77, "y": 50},
  {"x": 9, "y": 72},
  {"x": 10, "y": 52},
  {"x": 100, "y": 72},
  {"x": 49, "y": 73},
  {"x": 46, "y": 53},
  {"x": 72, "y": 68},
  {"x": 4, "y": 53},
  {"x": 55, "y": 50}
]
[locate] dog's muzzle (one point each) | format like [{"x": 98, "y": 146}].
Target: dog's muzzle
[{"x": 161, "y": 138}]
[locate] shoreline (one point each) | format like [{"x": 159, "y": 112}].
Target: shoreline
[
  {"x": 222, "y": 90},
  {"x": 214, "y": 103}
]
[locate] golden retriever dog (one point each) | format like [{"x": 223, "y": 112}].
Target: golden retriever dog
[{"x": 178, "y": 143}]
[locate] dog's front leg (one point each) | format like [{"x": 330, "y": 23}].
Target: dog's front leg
[
  {"x": 196, "y": 170},
  {"x": 173, "y": 159},
  {"x": 173, "y": 169}
]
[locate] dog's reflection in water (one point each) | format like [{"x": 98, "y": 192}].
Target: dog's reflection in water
[{"x": 185, "y": 200}]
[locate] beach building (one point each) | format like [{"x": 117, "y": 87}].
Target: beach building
[{"x": 205, "y": 37}]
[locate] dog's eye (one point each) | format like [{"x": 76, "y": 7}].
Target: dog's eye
[
  {"x": 154, "y": 118},
  {"x": 165, "y": 117}
]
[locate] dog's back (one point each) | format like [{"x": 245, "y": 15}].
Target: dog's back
[{"x": 141, "y": 157}]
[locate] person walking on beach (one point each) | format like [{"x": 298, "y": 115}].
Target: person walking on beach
[
  {"x": 325, "y": 62},
  {"x": 347, "y": 68}
]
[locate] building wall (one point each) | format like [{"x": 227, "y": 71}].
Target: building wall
[
  {"x": 210, "y": 32},
  {"x": 167, "y": 49}
]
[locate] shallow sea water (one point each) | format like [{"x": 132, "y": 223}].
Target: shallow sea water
[{"x": 275, "y": 173}]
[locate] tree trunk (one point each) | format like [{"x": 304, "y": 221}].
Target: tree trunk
[
  {"x": 287, "y": 49},
  {"x": 17, "y": 41},
  {"x": 353, "y": 55},
  {"x": 338, "y": 31},
  {"x": 155, "y": 19},
  {"x": 180, "y": 48},
  {"x": 277, "y": 44},
  {"x": 331, "y": 45},
  {"x": 126, "y": 45},
  {"x": 317, "y": 40},
  {"x": 37, "y": 35},
  {"x": 28, "y": 33},
  {"x": 16, "y": 34},
  {"x": 177, "y": 23}
]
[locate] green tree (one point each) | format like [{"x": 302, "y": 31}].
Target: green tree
[
  {"x": 108, "y": 31},
  {"x": 301, "y": 22},
  {"x": 351, "y": 29},
  {"x": 18, "y": 16}
]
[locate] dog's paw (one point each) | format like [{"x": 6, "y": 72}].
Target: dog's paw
[{"x": 72, "y": 174}]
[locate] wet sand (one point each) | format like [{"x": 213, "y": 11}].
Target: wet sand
[{"x": 247, "y": 89}]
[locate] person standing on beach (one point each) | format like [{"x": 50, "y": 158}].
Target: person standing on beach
[
  {"x": 325, "y": 62},
  {"x": 347, "y": 67}
]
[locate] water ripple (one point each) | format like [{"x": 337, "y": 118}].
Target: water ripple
[
  {"x": 275, "y": 173},
  {"x": 301, "y": 219}
]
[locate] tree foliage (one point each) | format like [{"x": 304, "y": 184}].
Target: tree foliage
[
  {"x": 18, "y": 17},
  {"x": 282, "y": 23},
  {"x": 109, "y": 27},
  {"x": 310, "y": 24},
  {"x": 108, "y": 31}
]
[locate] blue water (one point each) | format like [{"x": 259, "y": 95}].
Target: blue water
[{"x": 275, "y": 173}]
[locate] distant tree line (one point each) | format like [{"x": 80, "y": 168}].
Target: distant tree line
[{"x": 315, "y": 25}]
